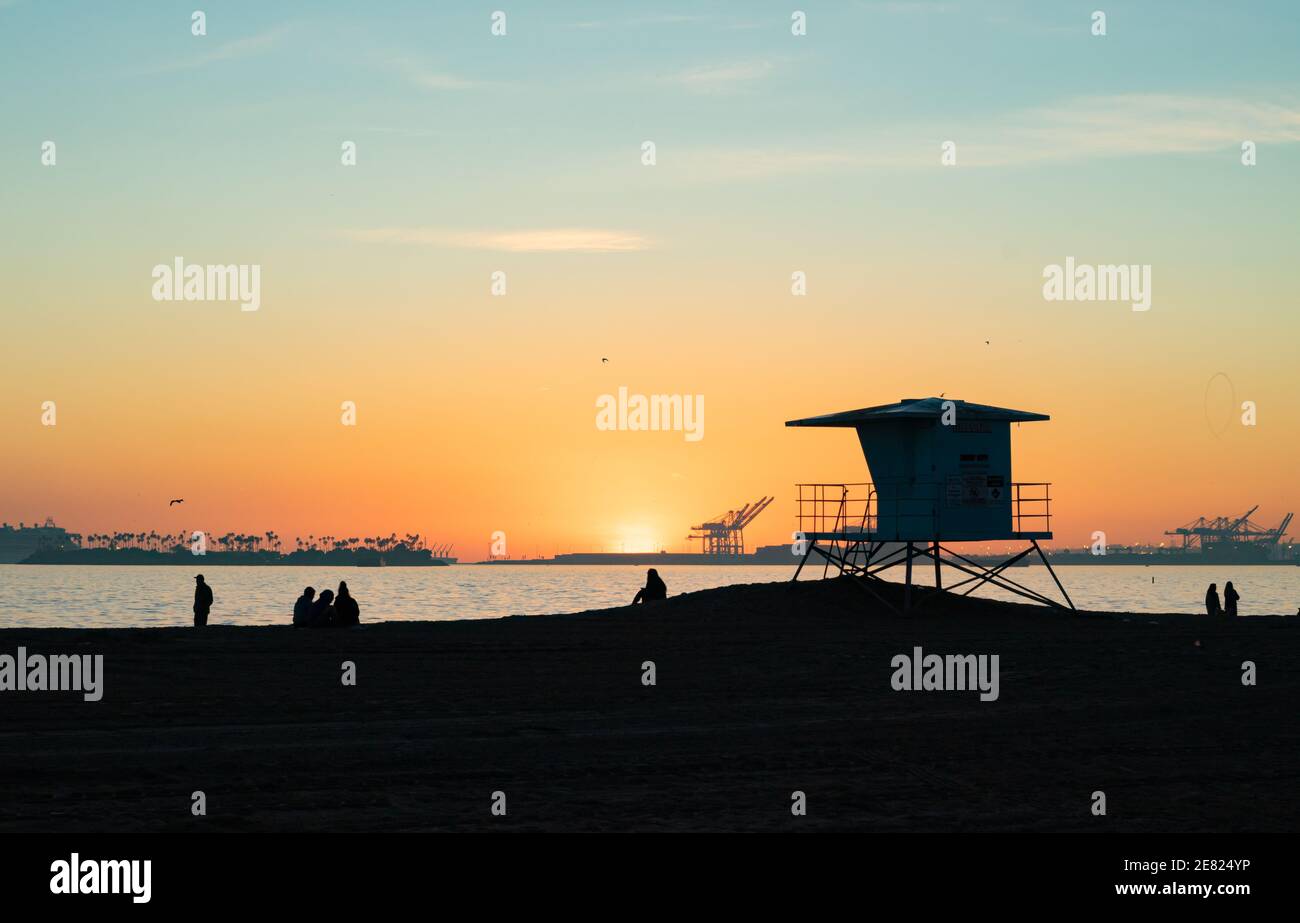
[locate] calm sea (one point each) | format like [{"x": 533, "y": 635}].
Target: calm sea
[{"x": 61, "y": 596}]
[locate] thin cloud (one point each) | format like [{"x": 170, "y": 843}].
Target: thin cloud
[
  {"x": 420, "y": 76},
  {"x": 721, "y": 76},
  {"x": 541, "y": 240},
  {"x": 668, "y": 19},
  {"x": 226, "y": 51},
  {"x": 1130, "y": 125},
  {"x": 910, "y": 6},
  {"x": 389, "y": 130},
  {"x": 1084, "y": 128},
  {"x": 707, "y": 165},
  {"x": 636, "y": 22}
]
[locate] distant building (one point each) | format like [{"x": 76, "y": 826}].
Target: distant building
[{"x": 18, "y": 542}]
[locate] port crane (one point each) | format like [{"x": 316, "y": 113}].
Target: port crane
[
  {"x": 724, "y": 535},
  {"x": 1207, "y": 534}
]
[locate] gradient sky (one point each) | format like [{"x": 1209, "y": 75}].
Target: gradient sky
[{"x": 522, "y": 154}]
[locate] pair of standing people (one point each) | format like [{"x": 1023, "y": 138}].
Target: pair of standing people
[{"x": 1230, "y": 597}]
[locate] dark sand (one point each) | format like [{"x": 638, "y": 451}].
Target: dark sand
[{"x": 762, "y": 690}]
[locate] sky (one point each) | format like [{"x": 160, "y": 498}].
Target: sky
[{"x": 524, "y": 154}]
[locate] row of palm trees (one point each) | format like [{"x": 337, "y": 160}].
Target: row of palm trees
[
  {"x": 266, "y": 541},
  {"x": 380, "y": 543},
  {"x": 165, "y": 541}
]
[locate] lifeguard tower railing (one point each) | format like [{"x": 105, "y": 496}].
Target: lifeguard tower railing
[
  {"x": 838, "y": 511},
  {"x": 842, "y": 523}
]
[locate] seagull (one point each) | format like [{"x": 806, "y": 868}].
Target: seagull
[{"x": 174, "y": 502}]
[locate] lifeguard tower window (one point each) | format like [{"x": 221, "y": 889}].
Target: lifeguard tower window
[{"x": 940, "y": 472}]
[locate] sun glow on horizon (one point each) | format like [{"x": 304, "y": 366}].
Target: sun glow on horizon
[{"x": 637, "y": 540}]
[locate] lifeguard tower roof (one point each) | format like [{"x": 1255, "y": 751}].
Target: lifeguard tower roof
[{"x": 919, "y": 408}]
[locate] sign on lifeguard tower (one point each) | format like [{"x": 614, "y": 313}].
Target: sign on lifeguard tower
[{"x": 940, "y": 472}]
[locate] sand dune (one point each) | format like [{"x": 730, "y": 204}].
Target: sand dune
[{"x": 761, "y": 690}]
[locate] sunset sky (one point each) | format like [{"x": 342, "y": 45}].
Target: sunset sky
[{"x": 522, "y": 154}]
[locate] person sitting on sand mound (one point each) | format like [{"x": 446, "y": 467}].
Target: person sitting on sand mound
[
  {"x": 302, "y": 608},
  {"x": 348, "y": 612},
  {"x": 654, "y": 589}
]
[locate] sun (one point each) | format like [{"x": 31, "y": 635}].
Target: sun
[{"x": 636, "y": 540}]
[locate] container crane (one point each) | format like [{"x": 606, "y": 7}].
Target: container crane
[{"x": 724, "y": 535}]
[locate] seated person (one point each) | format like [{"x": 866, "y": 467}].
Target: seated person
[
  {"x": 654, "y": 589},
  {"x": 348, "y": 612},
  {"x": 322, "y": 612},
  {"x": 302, "y": 608}
]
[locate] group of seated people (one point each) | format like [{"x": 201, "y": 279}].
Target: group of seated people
[
  {"x": 327, "y": 610},
  {"x": 330, "y": 611}
]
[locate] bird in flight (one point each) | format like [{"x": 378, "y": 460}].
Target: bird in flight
[
  {"x": 174, "y": 502},
  {"x": 603, "y": 359}
]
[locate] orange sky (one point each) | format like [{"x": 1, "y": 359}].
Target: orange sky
[
  {"x": 487, "y": 422},
  {"x": 775, "y": 154}
]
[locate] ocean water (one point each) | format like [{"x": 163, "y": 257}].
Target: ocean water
[{"x": 111, "y": 596}]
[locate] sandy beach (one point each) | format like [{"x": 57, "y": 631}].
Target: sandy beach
[{"x": 761, "y": 690}]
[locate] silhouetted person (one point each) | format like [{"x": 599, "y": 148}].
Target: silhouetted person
[
  {"x": 654, "y": 589},
  {"x": 322, "y": 612},
  {"x": 302, "y": 608},
  {"x": 347, "y": 612},
  {"x": 202, "y": 601},
  {"x": 1212, "y": 600},
  {"x": 1230, "y": 598}
]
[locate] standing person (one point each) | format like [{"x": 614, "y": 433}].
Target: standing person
[
  {"x": 1212, "y": 600},
  {"x": 202, "y": 601},
  {"x": 1230, "y": 598},
  {"x": 654, "y": 589},
  {"x": 302, "y": 608},
  {"x": 346, "y": 610}
]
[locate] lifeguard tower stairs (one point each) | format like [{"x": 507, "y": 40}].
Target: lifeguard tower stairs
[{"x": 940, "y": 476}]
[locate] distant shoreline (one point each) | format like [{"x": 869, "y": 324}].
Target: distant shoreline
[{"x": 139, "y": 556}]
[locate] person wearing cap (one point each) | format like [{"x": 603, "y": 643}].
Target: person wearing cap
[{"x": 202, "y": 601}]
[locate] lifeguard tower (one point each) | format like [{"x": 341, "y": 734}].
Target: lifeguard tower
[{"x": 940, "y": 474}]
